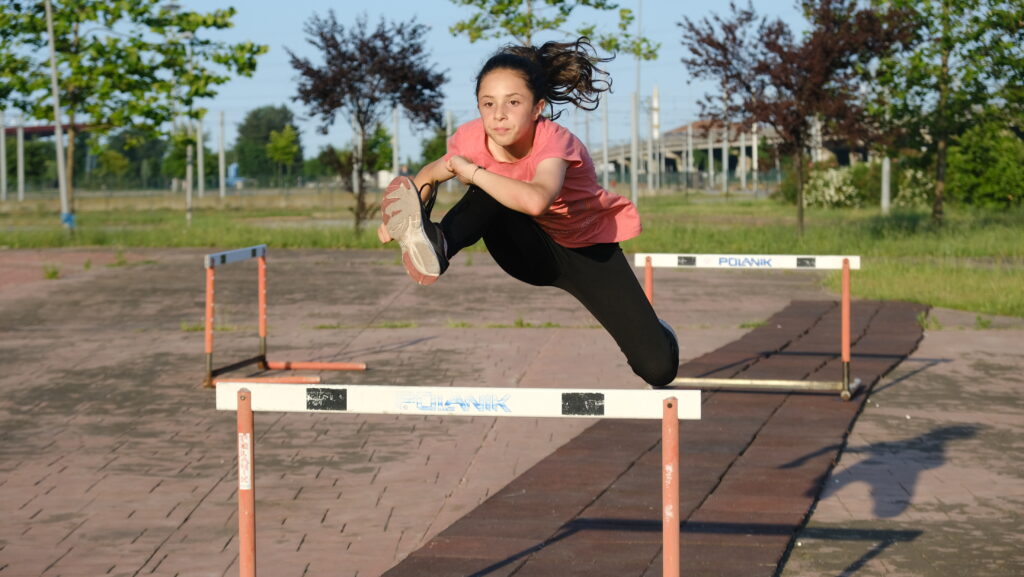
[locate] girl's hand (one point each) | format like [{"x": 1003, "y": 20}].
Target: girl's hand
[{"x": 461, "y": 168}]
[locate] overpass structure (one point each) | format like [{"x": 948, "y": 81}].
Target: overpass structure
[
  {"x": 700, "y": 150},
  {"x": 707, "y": 155}
]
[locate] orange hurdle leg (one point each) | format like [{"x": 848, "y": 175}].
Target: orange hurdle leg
[
  {"x": 670, "y": 488},
  {"x": 246, "y": 488},
  {"x": 208, "y": 345},
  {"x": 846, "y": 394},
  {"x": 649, "y": 280},
  {"x": 262, "y": 298}
]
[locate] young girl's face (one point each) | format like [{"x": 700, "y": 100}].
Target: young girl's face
[{"x": 508, "y": 110}]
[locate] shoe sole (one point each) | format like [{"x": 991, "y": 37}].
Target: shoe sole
[{"x": 402, "y": 216}]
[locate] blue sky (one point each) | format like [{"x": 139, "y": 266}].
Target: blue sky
[{"x": 280, "y": 25}]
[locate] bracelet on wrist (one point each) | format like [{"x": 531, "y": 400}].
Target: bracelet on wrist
[{"x": 472, "y": 178}]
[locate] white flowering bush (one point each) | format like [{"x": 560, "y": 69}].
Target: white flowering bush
[
  {"x": 914, "y": 189},
  {"x": 831, "y": 188}
]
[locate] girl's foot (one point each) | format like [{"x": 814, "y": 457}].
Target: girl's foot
[{"x": 407, "y": 221}]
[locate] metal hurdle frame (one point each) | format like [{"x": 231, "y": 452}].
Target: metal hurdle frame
[
  {"x": 845, "y": 387},
  {"x": 259, "y": 252},
  {"x": 246, "y": 398}
]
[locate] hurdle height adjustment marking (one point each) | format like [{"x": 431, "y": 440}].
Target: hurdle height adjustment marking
[
  {"x": 246, "y": 487},
  {"x": 246, "y": 398},
  {"x": 845, "y": 387}
]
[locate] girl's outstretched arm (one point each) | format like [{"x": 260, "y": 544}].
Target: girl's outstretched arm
[
  {"x": 436, "y": 171},
  {"x": 531, "y": 198}
]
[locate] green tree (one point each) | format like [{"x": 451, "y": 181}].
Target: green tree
[
  {"x": 377, "y": 156},
  {"x": 524, "y": 19},
  {"x": 40, "y": 163},
  {"x": 145, "y": 154},
  {"x": 986, "y": 167},
  {"x": 379, "y": 152},
  {"x": 435, "y": 146},
  {"x": 282, "y": 148},
  {"x": 175, "y": 161},
  {"x": 254, "y": 136},
  {"x": 121, "y": 63},
  {"x": 363, "y": 75},
  {"x": 966, "y": 61},
  {"x": 772, "y": 76}
]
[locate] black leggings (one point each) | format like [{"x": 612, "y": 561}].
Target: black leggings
[{"x": 598, "y": 276}]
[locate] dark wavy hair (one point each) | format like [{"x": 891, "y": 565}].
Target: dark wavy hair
[{"x": 556, "y": 72}]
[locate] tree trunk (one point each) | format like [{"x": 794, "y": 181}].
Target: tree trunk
[
  {"x": 938, "y": 210},
  {"x": 941, "y": 131},
  {"x": 359, "y": 212},
  {"x": 69, "y": 163},
  {"x": 800, "y": 190}
]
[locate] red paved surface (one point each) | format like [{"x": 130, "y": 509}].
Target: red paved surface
[
  {"x": 751, "y": 468},
  {"x": 113, "y": 461}
]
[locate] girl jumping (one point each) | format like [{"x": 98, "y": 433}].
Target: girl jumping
[{"x": 534, "y": 199}]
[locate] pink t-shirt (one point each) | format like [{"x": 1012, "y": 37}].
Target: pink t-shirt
[{"x": 583, "y": 214}]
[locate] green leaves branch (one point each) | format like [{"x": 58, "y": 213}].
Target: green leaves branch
[{"x": 522, "y": 20}]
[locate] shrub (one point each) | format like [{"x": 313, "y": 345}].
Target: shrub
[
  {"x": 986, "y": 168},
  {"x": 914, "y": 188},
  {"x": 831, "y": 188}
]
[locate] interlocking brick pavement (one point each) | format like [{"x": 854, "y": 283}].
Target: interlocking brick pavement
[{"x": 113, "y": 461}]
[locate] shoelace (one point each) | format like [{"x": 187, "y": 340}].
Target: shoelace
[{"x": 428, "y": 206}]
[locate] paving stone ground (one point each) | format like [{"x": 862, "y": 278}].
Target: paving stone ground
[{"x": 113, "y": 461}]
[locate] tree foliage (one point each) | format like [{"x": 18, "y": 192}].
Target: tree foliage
[
  {"x": 434, "y": 146},
  {"x": 283, "y": 147},
  {"x": 986, "y": 167},
  {"x": 254, "y": 135},
  {"x": 767, "y": 74},
  {"x": 964, "y": 63},
  {"x": 121, "y": 63},
  {"x": 525, "y": 19},
  {"x": 363, "y": 74}
]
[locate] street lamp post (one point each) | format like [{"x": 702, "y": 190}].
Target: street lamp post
[{"x": 67, "y": 218}]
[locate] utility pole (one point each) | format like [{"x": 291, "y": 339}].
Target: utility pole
[
  {"x": 67, "y": 218},
  {"x": 634, "y": 148},
  {"x": 655, "y": 142},
  {"x": 3, "y": 158},
  {"x": 754, "y": 155},
  {"x": 19, "y": 142},
  {"x": 604, "y": 138},
  {"x": 221, "y": 168},
  {"x": 188, "y": 180},
  {"x": 449, "y": 130},
  {"x": 711, "y": 159},
  {"x": 395, "y": 166},
  {"x": 200, "y": 161},
  {"x": 689, "y": 155},
  {"x": 725, "y": 160},
  {"x": 634, "y": 152},
  {"x": 741, "y": 166}
]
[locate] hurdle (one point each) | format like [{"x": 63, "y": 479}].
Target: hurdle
[
  {"x": 845, "y": 387},
  {"x": 247, "y": 398},
  {"x": 258, "y": 252}
]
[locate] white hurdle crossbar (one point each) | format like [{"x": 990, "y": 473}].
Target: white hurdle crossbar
[
  {"x": 844, "y": 387},
  {"x": 746, "y": 261},
  {"x": 670, "y": 406},
  {"x": 461, "y": 401}
]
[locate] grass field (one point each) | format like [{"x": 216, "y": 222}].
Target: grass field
[{"x": 975, "y": 262}]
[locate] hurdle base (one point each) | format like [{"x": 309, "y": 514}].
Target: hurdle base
[
  {"x": 314, "y": 366},
  {"x": 846, "y": 392},
  {"x": 262, "y": 363}
]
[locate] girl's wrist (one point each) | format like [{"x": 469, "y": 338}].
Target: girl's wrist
[{"x": 472, "y": 177}]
